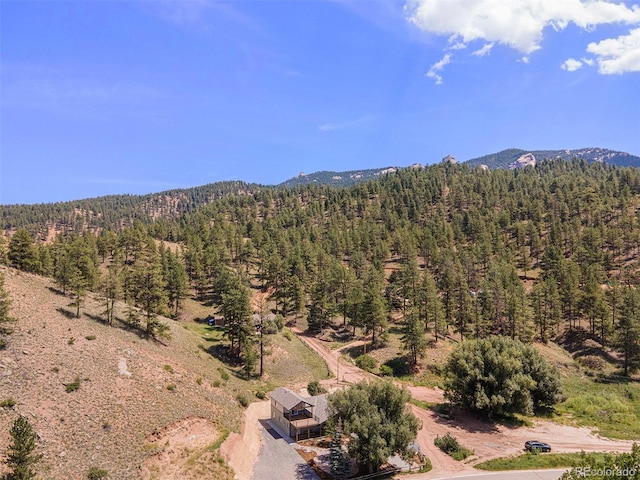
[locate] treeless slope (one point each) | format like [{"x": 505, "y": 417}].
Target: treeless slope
[{"x": 130, "y": 388}]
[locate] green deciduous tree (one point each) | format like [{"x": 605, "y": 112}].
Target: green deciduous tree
[
  {"x": 498, "y": 375},
  {"x": 375, "y": 417}
]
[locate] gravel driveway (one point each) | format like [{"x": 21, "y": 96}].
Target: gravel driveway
[{"x": 278, "y": 459}]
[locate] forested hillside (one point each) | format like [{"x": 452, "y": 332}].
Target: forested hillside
[
  {"x": 114, "y": 212},
  {"x": 448, "y": 250}
]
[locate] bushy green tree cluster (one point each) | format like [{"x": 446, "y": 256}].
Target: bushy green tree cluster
[
  {"x": 376, "y": 418},
  {"x": 501, "y": 376}
]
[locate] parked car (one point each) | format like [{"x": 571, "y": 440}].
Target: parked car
[{"x": 536, "y": 446}]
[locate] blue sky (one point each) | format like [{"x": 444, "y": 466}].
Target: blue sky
[{"x": 112, "y": 97}]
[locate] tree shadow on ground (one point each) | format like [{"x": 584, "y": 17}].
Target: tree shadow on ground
[
  {"x": 57, "y": 291},
  {"x": 445, "y": 414},
  {"x": 67, "y": 313},
  {"x": 96, "y": 318}
]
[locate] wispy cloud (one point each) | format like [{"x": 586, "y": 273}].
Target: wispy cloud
[
  {"x": 436, "y": 68},
  {"x": 41, "y": 86},
  {"x": 481, "y": 52},
  {"x": 199, "y": 16},
  {"x": 521, "y": 25},
  {"x": 357, "y": 122}
]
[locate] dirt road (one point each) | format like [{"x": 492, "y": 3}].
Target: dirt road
[{"x": 487, "y": 440}]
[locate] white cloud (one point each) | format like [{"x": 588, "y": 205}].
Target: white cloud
[
  {"x": 437, "y": 67},
  {"x": 516, "y": 24},
  {"x": 571, "y": 65},
  {"x": 521, "y": 24},
  {"x": 618, "y": 55},
  {"x": 481, "y": 52}
]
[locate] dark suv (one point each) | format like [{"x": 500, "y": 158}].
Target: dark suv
[{"x": 536, "y": 446}]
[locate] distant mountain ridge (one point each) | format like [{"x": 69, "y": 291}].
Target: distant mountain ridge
[
  {"x": 515, "y": 158},
  {"x": 342, "y": 179},
  {"x": 508, "y": 159}
]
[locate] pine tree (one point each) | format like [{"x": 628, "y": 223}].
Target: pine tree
[
  {"x": 21, "y": 457},
  {"x": 338, "y": 459},
  {"x": 22, "y": 251},
  {"x": 413, "y": 339},
  {"x": 149, "y": 292},
  {"x": 5, "y": 305},
  {"x": 627, "y": 338},
  {"x": 176, "y": 280}
]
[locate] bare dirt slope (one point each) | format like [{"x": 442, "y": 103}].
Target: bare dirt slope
[{"x": 139, "y": 402}]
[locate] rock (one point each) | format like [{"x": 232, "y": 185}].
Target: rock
[{"x": 528, "y": 159}]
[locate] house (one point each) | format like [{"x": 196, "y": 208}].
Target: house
[{"x": 299, "y": 417}]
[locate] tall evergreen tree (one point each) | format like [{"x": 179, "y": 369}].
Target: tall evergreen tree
[
  {"x": 413, "y": 339},
  {"x": 22, "y": 251},
  {"x": 627, "y": 337},
  {"x": 5, "y": 319},
  {"x": 21, "y": 457},
  {"x": 149, "y": 290}
]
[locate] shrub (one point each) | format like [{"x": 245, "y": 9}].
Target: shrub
[
  {"x": 199, "y": 380},
  {"x": 242, "y": 400},
  {"x": 314, "y": 388},
  {"x": 279, "y": 321},
  {"x": 71, "y": 341},
  {"x": 90, "y": 337},
  {"x": 73, "y": 386},
  {"x": 386, "y": 371},
  {"x": 366, "y": 362},
  {"x": 449, "y": 445},
  {"x": 398, "y": 365},
  {"x": 269, "y": 327},
  {"x": 96, "y": 473},
  {"x": 168, "y": 368},
  {"x": 287, "y": 334},
  {"x": 171, "y": 387},
  {"x": 8, "y": 403},
  {"x": 261, "y": 394}
]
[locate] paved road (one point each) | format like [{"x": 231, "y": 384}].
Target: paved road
[
  {"x": 278, "y": 459},
  {"x": 511, "y": 475}
]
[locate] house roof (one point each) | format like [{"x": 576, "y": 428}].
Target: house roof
[
  {"x": 320, "y": 407},
  {"x": 287, "y": 398}
]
